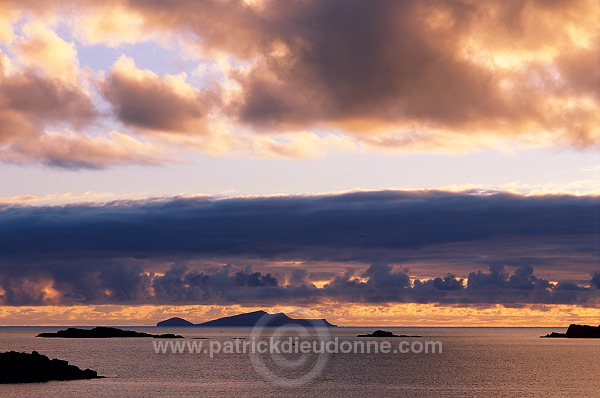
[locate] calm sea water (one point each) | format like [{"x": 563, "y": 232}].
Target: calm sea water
[{"x": 475, "y": 362}]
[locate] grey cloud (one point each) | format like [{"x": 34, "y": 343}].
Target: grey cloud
[
  {"x": 449, "y": 282},
  {"x": 570, "y": 286},
  {"x": 299, "y": 277},
  {"x": 596, "y": 280},
  {"x": 496, "y": 278},
  {"x": 181, "y": 284},
  {"x": 522, "y": 279},
  {"x": 495, "y": 287},
  {"x": 382, "y": 276},
  {"x": 380, "y": 283}
]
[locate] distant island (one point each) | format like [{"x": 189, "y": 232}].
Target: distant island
[
  {"x": 21, "y": 367},
  {"x": 383, "y": 333},
  {"x": 102, "y": 332},
  {"x": 175, "y": 322},
  {"x": 249, "y": 319},
  {"x": 578, "y": 332}
]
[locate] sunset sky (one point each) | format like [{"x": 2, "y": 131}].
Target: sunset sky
[{"x": 409, "y": 163}]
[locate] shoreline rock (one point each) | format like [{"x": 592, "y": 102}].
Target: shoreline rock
[
  {"x": 21, "y": 367},
  {"x": 577, "y": 332}
]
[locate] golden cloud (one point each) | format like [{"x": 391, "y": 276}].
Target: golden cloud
[{"x": 421, "y": 315}]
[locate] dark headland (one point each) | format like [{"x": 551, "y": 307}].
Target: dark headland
[
  {"x": 21, "y": 367},
  {"x": 102, "y": 332},
  {"x": 383, "y": 333},
  {"x": 250, "y": 319},
  {"x": 578, "y": 332}
]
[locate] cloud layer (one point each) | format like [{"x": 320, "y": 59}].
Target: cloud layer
[
  {"x": 369, "y": 247},
  {"x": 450, "y": 76}
]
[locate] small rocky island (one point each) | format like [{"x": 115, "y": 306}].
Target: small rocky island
[
  {"x": 578, "y": 332},
  {"x": 21, "y": 367},
  {"x": 383, "y": 333},
  {"x": 102, "y": 332}
]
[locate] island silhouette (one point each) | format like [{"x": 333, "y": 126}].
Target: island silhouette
[
  {"x": 250, "y": 319},
  {"x": 102, "y": 332},
  {"x": 383, "y": 333},
  {"x": 21, "y": 367},
  {"x": 578, "y": 332}
]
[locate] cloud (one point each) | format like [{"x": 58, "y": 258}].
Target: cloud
[
  {"x": 364, "y": 247},
  {"x": 30, "y": 101},
  {"x": 110, "y": 24},
  {"x": 497, "y": 286},
  {"x": 413, "y": 75},
  {"x": 142, "y": 99},
  {"x": 43, "y": 48},
  {"x": 381, "y": 275},
  {"x": 299, "y": 79},
  {"x": 345, "y": 226},
  {"x": 71, "y": 150},
  {"x": 69, "y": 196},
  {"x": 221, "y": 286},
  {"x": 497, "y": 278},
  {"x": 7, "y": 17},
  {"x": 596, "y": 280},
  {"x": 449, "y": 282},
  {"x": 43, "y": 112}
]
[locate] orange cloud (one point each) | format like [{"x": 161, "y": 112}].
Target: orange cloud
[
  {"x": 110, "y": 24},
  {"x": 7, "y": 17},
  {"x": 54, "y": 198},
  {"x": 75, "y": 150},
  {"x": 44, "y": 49},
  {"x": 349, "y": 315},
  {"x": 435, "y": 315}
]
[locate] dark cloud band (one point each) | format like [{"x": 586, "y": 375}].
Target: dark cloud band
[{"x": 168, "y": 250}]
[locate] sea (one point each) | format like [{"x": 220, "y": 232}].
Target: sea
[{"x": 472, "y": 362}]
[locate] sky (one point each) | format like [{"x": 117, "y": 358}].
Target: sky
[{"x": 416, "y": 163}]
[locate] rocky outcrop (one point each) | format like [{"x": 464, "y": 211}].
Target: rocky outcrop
[
  {"x": 383, "y": 333},
  {"x": 21, "y": 367},
  {"x": 102, "y": 332},
  {"x": 578, "y": 332}
]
